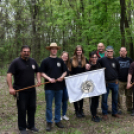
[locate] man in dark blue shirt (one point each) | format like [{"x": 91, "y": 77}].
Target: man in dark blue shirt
[
  {"x": 124, "y": 62},
  {"x": 111, "y": 75}
]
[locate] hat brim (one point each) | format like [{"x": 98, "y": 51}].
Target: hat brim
[{"x": 49, "y": 47}]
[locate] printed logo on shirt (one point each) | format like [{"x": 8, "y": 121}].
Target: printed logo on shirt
[
  {"x": 113, "y": 65},
  {"x": 124, "y": 64},
  {"x": 58, "y": 64},
  {"x": 33, "y": 67}
]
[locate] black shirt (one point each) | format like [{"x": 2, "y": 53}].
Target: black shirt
[
  {"x": 112, "y": 68},
  {"x": 95, "y": 66},
  {"x": 124, "y": 66},
  {"x": 54, "y": 68},
  {"x": 78, "y": 69},
  {"x": 23, "y": 72}
]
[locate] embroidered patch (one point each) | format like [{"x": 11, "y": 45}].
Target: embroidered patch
[
  {"x": 33, "y": 67},
  {"x": 113, "y": 65},
  {"x": 58, "y": 64}
]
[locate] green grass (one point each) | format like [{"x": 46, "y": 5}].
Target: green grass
[{"x": 8, "y": 117}]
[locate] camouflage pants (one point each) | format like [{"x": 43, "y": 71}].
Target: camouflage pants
[{"x": 127, "y": 92}]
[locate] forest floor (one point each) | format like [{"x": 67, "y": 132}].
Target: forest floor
[{"x": 8, "y": 117}]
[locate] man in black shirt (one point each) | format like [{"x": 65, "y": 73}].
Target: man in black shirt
[
  {"x": 53, "y": 70},
  {"x": 124, "y": 62},
  {"x": 23, "y": 69},
  {"x": 111, "y": 75}
]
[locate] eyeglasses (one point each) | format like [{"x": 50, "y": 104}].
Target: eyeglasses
[
  {"x": 26, "y": 51},
  {"x": 94, "y": 57},
  {"x": 109, "y": 51}
]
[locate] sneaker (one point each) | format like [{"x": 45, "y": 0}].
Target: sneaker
[
  {"x": 23, "y": 132},
  {"x": 65, "y": 117},
  {"x": 59, "y": 125},
  {"x": 34, "y": 129},
  {"x": 61, "y": 118},
  {"x": 96, "y": 119}
]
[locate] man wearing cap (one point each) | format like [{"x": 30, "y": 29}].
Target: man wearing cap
[
  {"x": 101, "y": 50},
  {"x": 111, "y": 75},
  {"x": 23, "y": 69},
  {"x": 124, "y": 62},
  {"x": 53, "y": 70}
]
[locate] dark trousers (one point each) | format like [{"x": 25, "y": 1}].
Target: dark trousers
[
  {"x": 78, "y": 105},
  {"x": 94, "y": 105},
  {"x": 64, "y": 101},
  {"x": 26, "y": 103}
]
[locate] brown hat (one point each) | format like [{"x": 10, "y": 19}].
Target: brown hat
[{"x": 53, "y": 45}]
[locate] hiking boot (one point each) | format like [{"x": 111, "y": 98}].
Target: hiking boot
[
  {"x": 105, "y": 117},
  {"x": 96, "y": 119},
  {"x": 23, "y": 132},
  {"x": 34, "y": 129},
  {"x": 78, "y": 115},
  {"x": 48, "y": 126},
  {"x": 59, "y": 125},
  {"x": 116, "y": 115},
  {"x": 82, "y": 113}
]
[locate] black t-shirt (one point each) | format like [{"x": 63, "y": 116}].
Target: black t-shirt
[
  {"x": 95, "y": 66},
  {"x": 78, "y": 69},
  {"x": 54, "y": 68},
  {"x": 112, "y": 68},
  {"x": 124, "y": 66},
  {"x": 23, "y": 72}
]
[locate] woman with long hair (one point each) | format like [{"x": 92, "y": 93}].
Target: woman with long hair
[
  {"x": 65, "y": 58},
  {"x": 79, "y": 64},
  {"x": 94, "y": 101}
]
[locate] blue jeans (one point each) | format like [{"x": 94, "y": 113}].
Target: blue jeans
[
  {"x": 49, "y": 95},
  {"x": 64, "y": 101},
  {"x": 114, "y": 88}
]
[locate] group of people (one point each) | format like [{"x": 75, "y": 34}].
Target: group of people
[{"x": 118, "y": 75}]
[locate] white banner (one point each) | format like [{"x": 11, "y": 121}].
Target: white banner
[{"x": 96, "y": 84}]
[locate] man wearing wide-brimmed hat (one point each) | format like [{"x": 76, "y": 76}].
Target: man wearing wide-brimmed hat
[{"x": 53, "y": 70}]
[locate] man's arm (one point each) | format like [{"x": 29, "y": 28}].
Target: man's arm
[
  {"x": 38, "y": 76},
  {"x": 52, "y": 80},
  {"x": 62, "y": 76},
  {"x": 9, "y": 82},
  {"x": 129, "y": 85}
]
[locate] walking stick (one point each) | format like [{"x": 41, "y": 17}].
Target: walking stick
[{"x": 30, "y": 87}]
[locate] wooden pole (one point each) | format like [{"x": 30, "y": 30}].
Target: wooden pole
[{"x": 31, "y": 87}]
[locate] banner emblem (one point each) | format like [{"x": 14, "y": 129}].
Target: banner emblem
[{"x": 87, "y": 86}]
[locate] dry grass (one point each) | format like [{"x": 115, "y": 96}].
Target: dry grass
[{"x": 8, "y": 117}]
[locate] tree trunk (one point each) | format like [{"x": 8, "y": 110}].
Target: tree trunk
[{"x": 122, "y": 22}]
